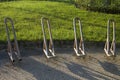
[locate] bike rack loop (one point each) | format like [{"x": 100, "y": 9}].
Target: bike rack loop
[
  {"x": 48, "y": 50},
  {"x": 81, "y": 50},
  {"x": 16, "y": 48},
  {"x": 107, "y": 47}
]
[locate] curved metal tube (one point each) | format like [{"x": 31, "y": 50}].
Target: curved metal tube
[
  {"x": 16, "y": 48},
  {"x": 107, "y": 47},
  {"x": 79, "y": 51},
  {"x": 49, "y": 51}
]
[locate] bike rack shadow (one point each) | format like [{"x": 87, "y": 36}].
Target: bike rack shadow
[
  {"x": 43, "y": 72},
  {"x": 91, "y": 74},
  {"x": 110, "y": 67}
]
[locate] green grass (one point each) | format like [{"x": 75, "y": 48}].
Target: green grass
[{"x": 27, "y": 14}]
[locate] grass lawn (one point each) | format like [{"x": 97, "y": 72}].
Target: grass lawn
[{"x": 27, "y": 14}]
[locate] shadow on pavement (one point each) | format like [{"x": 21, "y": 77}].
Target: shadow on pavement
[
  {"x": 43, "y": 72},
  {"x": 84, "y": 72},
  {"x": 89, "y": 73},
  {"x": 110, "y": 67}
]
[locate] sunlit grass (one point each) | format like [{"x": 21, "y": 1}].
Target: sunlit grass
[{"x": 27, "y": 14}]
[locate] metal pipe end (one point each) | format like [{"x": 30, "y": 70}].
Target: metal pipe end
[{"x": 20, "y": 59}]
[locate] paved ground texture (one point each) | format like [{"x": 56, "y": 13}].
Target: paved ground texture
[{"x": 66, "y": 66}]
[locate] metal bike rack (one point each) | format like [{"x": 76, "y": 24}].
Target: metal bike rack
[
  {"x": 15, "y": 49},
  {"x": 48, "y": 49},
  {"x": 107, "y": 47},
  {"x": 78, "y": 48}
]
